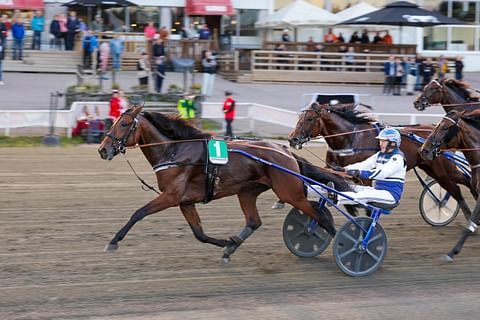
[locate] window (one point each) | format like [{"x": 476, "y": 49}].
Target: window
[{"x": 247, "y": 19}]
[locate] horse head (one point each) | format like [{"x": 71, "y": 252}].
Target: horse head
[
  {"x": 442, "y": 134},
  {"x": 307, "y": 126},
  {"x": 121, "y": 135},
  {"x": 432, "y": 94}
]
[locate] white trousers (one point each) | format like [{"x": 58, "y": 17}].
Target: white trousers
[
  {"x": 207, "y": 86},
  {"x": 410, "y": 87},
  {"x": 365, "y": 194}
]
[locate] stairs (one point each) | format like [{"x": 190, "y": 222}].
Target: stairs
[{"x": 43, "y": 61}]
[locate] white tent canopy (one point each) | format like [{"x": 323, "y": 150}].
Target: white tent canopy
[
  {"x": 298, "y": 14},
  {"x": 359, "y": 9}
]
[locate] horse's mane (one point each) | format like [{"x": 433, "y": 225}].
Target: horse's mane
[
  {"x": 472, "y": 118},
  {"x": 173, "y": 127},
  {"x": 352, "y": 115},
  {"x": 460, "y": 88}
]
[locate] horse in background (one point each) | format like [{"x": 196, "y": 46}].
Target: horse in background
[
  {"x": 177, "y": 153},
  {"x": 350, "y": 135},
  {"x": 451, "y": 94},
  {"x": 459, "y": 129}
]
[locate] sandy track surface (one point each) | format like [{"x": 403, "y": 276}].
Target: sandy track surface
[{"x": 60, "y": 207}]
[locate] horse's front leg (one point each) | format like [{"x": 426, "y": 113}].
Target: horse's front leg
[
  {"x": 191, "y": 215},
  {"x": 469, "y": 229},
  {"x": 163, "y": 201}
]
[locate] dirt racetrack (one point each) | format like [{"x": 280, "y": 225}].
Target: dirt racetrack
[{"x": 60, "y": 207}]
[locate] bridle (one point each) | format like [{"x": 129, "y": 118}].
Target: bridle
[
  {"x": 452, "y": 132},
  {"x": 425, "y": 100},
  {"x": 120, "y": 144}
]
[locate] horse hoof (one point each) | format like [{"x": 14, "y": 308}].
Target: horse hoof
[
  {"x": 446, "y": 258},
  {"x": 111, "y": 247},
  {"x": 278, "y": 206},
  {"x": 224, "y": 261}
]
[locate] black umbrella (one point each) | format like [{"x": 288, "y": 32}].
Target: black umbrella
[
  {"x": 402, "y": 13},
  {"x": 94, "y": 3}
]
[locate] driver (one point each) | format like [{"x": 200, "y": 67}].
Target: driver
[{"x": 387, "y": 169}]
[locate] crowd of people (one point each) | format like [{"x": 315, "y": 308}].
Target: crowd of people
[
  {"x": 414, "y": 73},
  {"x": 364, "y": 38}
]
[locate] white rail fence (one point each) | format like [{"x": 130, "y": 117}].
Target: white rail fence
[{"x": 251, "y": 118}]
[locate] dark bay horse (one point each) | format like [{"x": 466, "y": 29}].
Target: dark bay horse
[
  {"x": 459, "y": 129},
  {"x": 451, "y": 94},
  {"x": 177, "y": 153},
  {"x": 350, "y": 135}
]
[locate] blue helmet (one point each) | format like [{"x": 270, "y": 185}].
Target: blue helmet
[{"x": 391, "y": 135}]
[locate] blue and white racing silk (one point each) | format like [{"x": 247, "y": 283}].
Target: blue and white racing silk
[{"x": 387, "y": 170}]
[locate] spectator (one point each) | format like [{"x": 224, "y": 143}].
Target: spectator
[
  {"x": 18, "y": 34},
  {"x": 183, "y": 33},
  {"x": 354, "y": 38},
  {"x": 55, "y": 33},
  {"x": 399, "y": 72},
  {"x": 459, "y": 68},
  {"x": 442, "y": 67},
  {"x": 2, "y": 56},
  {"x": 340, "y": 38},
  {"x": 159, "y": 74},
  {"x": 209, "y": 70},
  {"x": 387, "y": 38},
  {"x": 310, "y": 44},
  {"x": 89, "y": 45},
  {"x": 192, "y": 32},
  {"x": 97, "y": 24},
  {"x": 3, "y": 31},
  {"x": 150, "y": 31},
  {"x": 82, "y": 25},
  {"x": 82, "y": 123},
  {"x": 318, "y": 48},
  {"x": 377, "y": 39},
  {"x": 286, "y": 36},
  {"x": 62, "y": 20},
  {"x": 419, "y": 74},
  {"x": 186, "y": 109},
  {"x": 116, "y": 48},
  {"x": 73, "y": 27},
  {"x": 330, "y": 37},
  {"x": 364, "y": 38},
  {"x": 115, "y": 106},
  {"x": 389, "y": 70},
  {"x": 349, "y": 58},
  {"x": 163, "y": 33},
  {"x": 204, "y": 33},
  {"x": 428, "y": 71},
  {"x": 158, "y": 49},
  {"x": 229, "y": 112},
  {"x": 411, "y": 74},
  {"x": 104, "y": 55},
  {"x": 37, "y": 25},
  {"x": 143, "y": 67}
]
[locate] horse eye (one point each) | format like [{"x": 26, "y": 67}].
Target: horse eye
[
  {"x": 445, "y": 128},
  {"x": 124, "y": 124},
  {"x": 310, "y": 119}
]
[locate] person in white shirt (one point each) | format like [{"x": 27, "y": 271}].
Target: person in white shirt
[{"x": 387, "y": 168}]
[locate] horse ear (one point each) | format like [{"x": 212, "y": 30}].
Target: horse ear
[
  {"x": 137, "y": 109},
  {"x": 315, "y": 106}
]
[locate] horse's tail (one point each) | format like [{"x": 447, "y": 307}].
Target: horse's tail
[{"x": 321, "y": 175}]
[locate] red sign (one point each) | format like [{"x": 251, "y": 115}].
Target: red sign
[
  {"x": 22, "y": 4},
  {"x": 209, "y": 7}
]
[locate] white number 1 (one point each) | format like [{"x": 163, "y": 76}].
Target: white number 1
[{"x": 217, "y": 148}]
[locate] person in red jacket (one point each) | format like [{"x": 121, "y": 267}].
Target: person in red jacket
[
  {"x": 115, "y": 105},
  {"x": 229, "y": 112}
]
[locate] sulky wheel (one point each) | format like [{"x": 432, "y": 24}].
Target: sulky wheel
[
  {"x": 301, "y": 241},
  {"x": 349, "y": 254},
  {"x": 437, "y": 207}
]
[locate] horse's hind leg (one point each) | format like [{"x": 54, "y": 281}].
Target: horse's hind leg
[
  {"x": 248, "y": 203},
  {"x": 191, "y": 215},
  {"x": 469, "y": 229}
]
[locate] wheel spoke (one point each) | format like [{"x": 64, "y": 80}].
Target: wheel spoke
[
  {"x": 373, "y": 256},
  {"x": 358, "y": 262},
  {"x": 346, "y": 253},
  {"x": 375, "y": 237},
  {"x": 349, "y": 237},
  {"x": 296, "y": 235},
  {"x": 297, "y": 220}
]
